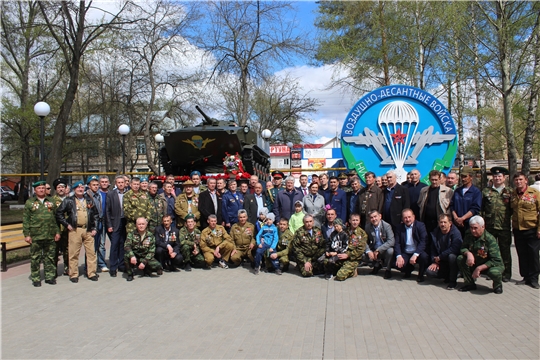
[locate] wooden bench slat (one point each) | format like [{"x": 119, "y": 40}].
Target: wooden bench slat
[
  {"x": 11, "y": 227},
  {"x": 10, "y": 233},
  {"x": 17, "y": 245}
]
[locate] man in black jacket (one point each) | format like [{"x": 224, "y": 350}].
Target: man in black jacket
[
  {"x": 411, "y": 238},
  {"x": 116, "y": 225},
  {"x": 396, "y": 199},
  {"x": 168, "y": 245},
  {"x": 210, "y": 203},
  {"x": 79, "y": 214},
  {"x": 254, "y": 203}
]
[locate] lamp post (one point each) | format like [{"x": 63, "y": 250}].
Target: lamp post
[
  {"x": 123, "y": 130},
  {"x": 290, "y": 146},
  {"x": 42, "y": 109},
  {"x": 160, "y": 140}
]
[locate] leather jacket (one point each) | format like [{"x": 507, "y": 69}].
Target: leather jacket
[{"x": 66, "y": 213}]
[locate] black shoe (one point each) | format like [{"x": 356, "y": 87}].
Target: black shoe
[
  {"x": 328, "y": 276},
  {"x": 51, "y": 282},
  {"x": 129, "y": 278},
  {"x": 207, "y": 267},
  {"x": 375, "y": 270},
  {"x": 467, "y": 287},
  {"x": 166, "y": 269},
  {"x": 523, "y": 282},
  {"x": 505, "y": 279},
  {"x": 112, "y": 273},
  {"x": 498, "y": 290},
  {"x": 74, "y": 280},
  {"x": 174, "y": 269},
  {"x": 387, "y": 274},
  {"x": 420, "y": 279},
  {"x": 451, "y": 286},
  {"x": 159, "y": 272},
  {"x": 93, "y": 278},
  {"x": 407, "y": 275},
  {"x": 36, "y": 283},
  {"x": 188, "y": 267},
  {"x": 534, "y": 285}
]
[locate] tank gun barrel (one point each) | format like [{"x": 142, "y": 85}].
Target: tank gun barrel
[{"x": 207, "y": 119}]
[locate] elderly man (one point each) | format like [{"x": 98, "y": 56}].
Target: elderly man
[
  {"x": 216, "y": 244},
  {"x": 158, "y": 207},
  {"x": 480, "y": 253},
  {"x": 415, "y": 187},
  {"x": 445, "y": 245},
  {"x": 231, "y": 202},
  {"x": 451, "y": 180},
  {"x": 284, "y": 204},
  {"x": 309, "y": 245},
  {"x": 336, "y": 198},
  {"x": 41, "y": 231},
  {"x": 370, "y": 198},
  {"x": 434, "y": 200},
  {"x": 139, "y": 249},
  {"x": 411, "y": 238},
  {"x": 170, "y": 199},
  {"x": 243, "y": 237},
  {"x": 136, "y": 205},
  {"x": 253, "y": 180},
  {"x": 168, "y": 245},
  {"x": 466, "y": 201},
  {"x": 144, "y": 184},
  {"x": 187, "y": 203},
  {"x": 190, "y": 240},
  {"x": 79, "y": 214},
  {"x": 497, "y": 212},
  {"x": 380, "y": 243},
  {"x": 254, "y": 203},
  {"x": 526, "y": 228},
  {"x": 196, "y": 179},
  {"x": 396, "y": 199}
]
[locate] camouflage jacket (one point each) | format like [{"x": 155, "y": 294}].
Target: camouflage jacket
[
  {"x": 39, "y": 219},
  {"x": 357, "y": 243},
  {"x": 243, "y": 236},
  {"x": 190, "y": 240},
  {"x": 308, "y": 247},
  {"x": 158, "y": 208},
  {"x": 484, "y": 249},
  {"x": 136, "y": 205},
  {"x": 496, "y": 208},
  {"x": 142, "y": 247},
  {"x": 285, "y": 243}
]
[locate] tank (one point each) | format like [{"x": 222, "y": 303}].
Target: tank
[{"x": 203, "y": 147}]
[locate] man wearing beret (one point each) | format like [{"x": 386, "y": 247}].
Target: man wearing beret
[
  {"x": 466, "y": 201},
  {"x": 496, "y": 212},
  {"x": 196, "y": 179},
  {"x": 41, "y": 231},
  {"x": 79, "y": 214},
  {"x": 190, "y": 240},
  {"x": 144, "y": 184},
  {"x": 60, "y": 188}
]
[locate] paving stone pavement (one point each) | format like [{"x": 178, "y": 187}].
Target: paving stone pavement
[{"x": 233, "y": 314}]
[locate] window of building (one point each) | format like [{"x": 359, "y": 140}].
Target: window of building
[{"x": 141, "y": 147}]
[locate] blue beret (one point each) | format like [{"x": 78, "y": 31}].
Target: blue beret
[
  {"x": 195, "y": 172},
  {"x": 144, "y": 179},
  {"x": 92, "y": 177},
  {"x": 77, "y": 184}
]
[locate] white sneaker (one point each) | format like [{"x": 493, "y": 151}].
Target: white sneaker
[
  {"x": 104, "y": 269},
  {"x": 223, "y": 264}
]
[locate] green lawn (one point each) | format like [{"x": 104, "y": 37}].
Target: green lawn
[{"x": 10, "y": 216}]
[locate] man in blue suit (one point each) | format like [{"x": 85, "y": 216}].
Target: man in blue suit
[
  {"x": 411, "y": 239},
  {"x": 336, "y": 198}
]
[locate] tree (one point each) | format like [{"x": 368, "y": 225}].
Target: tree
[{"x": 245, "y": 37}]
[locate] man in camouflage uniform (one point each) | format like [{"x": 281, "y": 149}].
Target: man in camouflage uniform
[
  {"x": 497, "y": 213},
  {"x": 190, "y": 239},
  {"x": 158, "y": 207},
  {"x": 480, "y": 253},
  {"x": 139, "y": 250},
  {"x": 41, "y": 231},
  {"x": 216, "y": 243},
  {"x": 283, "y": 247},
  {"x": 144, "y": 184},
  {"x": 60, "y": 188},
  {"x": 243, "y": 237},
  {"x": 309, "y": 245},
  {"x": 136, "y": 205}
]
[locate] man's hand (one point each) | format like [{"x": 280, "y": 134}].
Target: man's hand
[
  {"x": 437, "y": 260},
  {"x": 376, "y": 253},
  {"x": 233, "y": 252},
  {"x": 251, "y": 246},
  {"x": 28, "y": 239},
  {"x": 470, "y": 259},
  {"x": 56, "y": 237},
  {"x": 133, "y": 260},
  {"x": 433, "y": 267},
  {"x": 172, "y": 255},
  {"x": 260, "y": 246},
  {"x": 400, "y": 262},
  {"x": 371, "y": 256},
  {"x": 110, "y": 229},
  {"x": 141, "y": 266},
  {"x": 342, "y": 256},
  {"x": 216, "y": 253},
  {"x": 93, "y": 233},
  {"x": 70, "y": 228},
  {"x": 459, "y": 222},
  {"x": 273, "y": 256},
  {"x": 412, "y": 260},
  {"x": 308, "y": 267}
]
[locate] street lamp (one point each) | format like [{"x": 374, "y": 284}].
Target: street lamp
[
  {"x": 266, "y": 134},
  {"x": 160, "y": 140},
  {"x": 123, "y": 130},
  {"x": 290, "y": 146},
  {"x": 42, "y": 109}
]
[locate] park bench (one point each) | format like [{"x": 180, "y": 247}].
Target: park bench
[{"x": 12, "y": 238}]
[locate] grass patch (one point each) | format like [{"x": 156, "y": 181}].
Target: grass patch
[
  {"x": 14, "y": 256},
  {"x": 11, "y": 216}
]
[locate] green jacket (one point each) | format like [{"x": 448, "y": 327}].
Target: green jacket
[
  {"x": 189, "y": 240},
  {"x": 284, "y": 245},
  {"x": 142, "y": 247},
  {"x": 308, "y": 247},
  {"x": 357, "y": 243},
  {"x": 158, "y": 208},
  {"x": 496, "y": 208},
  {"x": 39, "y": 219},
  {"x": 485, "y": 249},
  {"x": 136, "y": 205}
]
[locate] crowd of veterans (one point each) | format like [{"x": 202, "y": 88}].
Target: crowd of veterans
[{"x": 329, "y": 227}]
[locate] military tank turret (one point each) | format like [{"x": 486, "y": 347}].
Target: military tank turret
[{"x": 203, "y": 147}]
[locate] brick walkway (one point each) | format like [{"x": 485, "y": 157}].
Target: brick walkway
[{"x": 234, "y": 314}]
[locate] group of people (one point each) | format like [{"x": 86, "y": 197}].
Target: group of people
[{"x": 330, "y": 226}]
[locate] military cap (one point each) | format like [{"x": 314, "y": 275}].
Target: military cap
[
  {"x": 195, "y": 172},
  {"x": 144, "y": 178},
  {"x": 39, "y": 183},
  {"x": 338, "y": 221},
  {"x": 342, "y": 176},
  {"x": 271, "y": 216},
  {"x": 351, "y": 172},
  {"x": 77, "y": 184},
  {"x": 59, "y": 181},
  {"x": 278, "y": 174},
  {"x": 467, "y": 170},
  {"x": 189, "y": 216},
  {"x": 188, "y": 183},
  {"x": 499, "y": 170},
  {"x": 92, "y": 177}
]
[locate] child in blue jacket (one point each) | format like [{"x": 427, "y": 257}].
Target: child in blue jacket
[{"x": 267, "y": 240}]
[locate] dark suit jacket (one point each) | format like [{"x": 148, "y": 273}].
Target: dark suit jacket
[
  {"x": 339, "y": 202},
  {"x": 206, "y": 207},
  {"x": 250, "y": 205},
  {"x": 444, "y": 245},
  {"x": 113, "y": 211},
  {"x": 375, "y": 200},
  {"x": 419, "y": 234},
  {"x": 161, "y": 239},
  {"x": 399, "y": 201}
]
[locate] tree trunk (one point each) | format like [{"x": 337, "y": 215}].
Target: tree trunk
[
  {"x": 459, "y": 112},
  {"x": 384, "y": 46},
  {"x": 148, "y": 122},
  {"x": 532, "y": 109}
]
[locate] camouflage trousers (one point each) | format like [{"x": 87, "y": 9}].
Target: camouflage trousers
[
  {"x": 345, "y": 269},
  {"x": 62, "y": 247},
  {"x": 317, "y": 267},
  {"x": 504, "y": 239},
  {"x": 190, "y": 258},
  {"x": 151, "y": 265},
  {"x": 42, "y": 251},
  {"x": 494, "y": 272}
]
